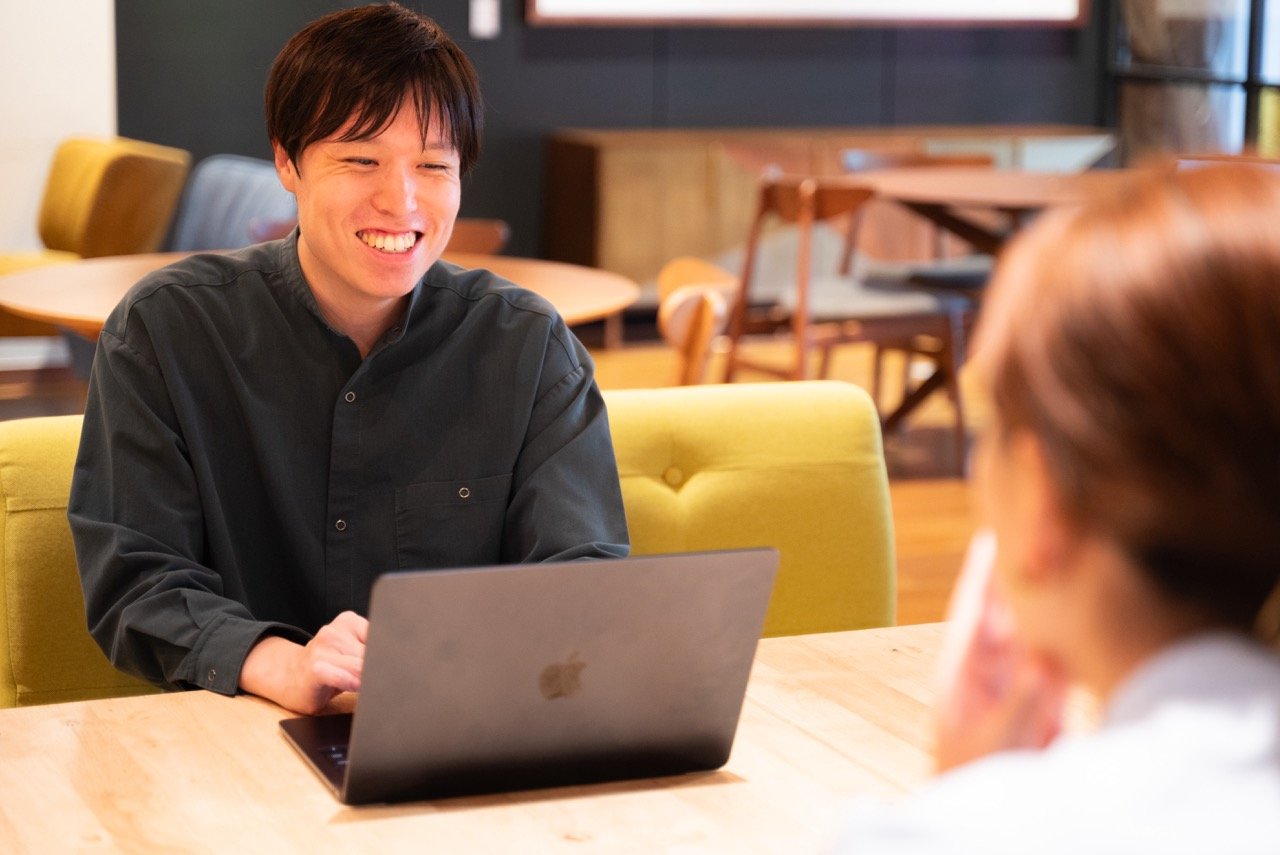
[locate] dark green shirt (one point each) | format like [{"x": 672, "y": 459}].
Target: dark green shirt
[{"x": 242, "y": 471}]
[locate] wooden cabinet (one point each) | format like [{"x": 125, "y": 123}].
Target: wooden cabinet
[{"x": 629, "y": 200}]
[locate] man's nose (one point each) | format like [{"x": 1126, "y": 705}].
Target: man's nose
[{"x": 396, "y": 191}]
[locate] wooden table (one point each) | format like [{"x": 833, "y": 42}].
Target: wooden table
[
  {"x": 941, "y": 193},
  {"x": 827, "y": 718},
  {"x": 948, "y": 196},
  {"x": 79, "y": 295}
]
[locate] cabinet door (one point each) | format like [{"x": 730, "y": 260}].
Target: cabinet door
[{"x": 653, "y": 207}]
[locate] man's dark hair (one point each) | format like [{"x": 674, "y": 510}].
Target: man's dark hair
[{"x": 363, "y": 62}]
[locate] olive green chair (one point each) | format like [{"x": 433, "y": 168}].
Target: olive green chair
[
  {"x": 102, "y": 196},
  {"x": 795, "y": 466}
]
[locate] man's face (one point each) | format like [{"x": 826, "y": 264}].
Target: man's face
[{"x": 374, "y": 213}]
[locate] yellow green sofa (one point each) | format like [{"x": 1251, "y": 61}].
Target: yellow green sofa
[{"x": 797, "y": 466}]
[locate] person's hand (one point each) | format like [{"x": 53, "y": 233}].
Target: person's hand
[
  {"x": 995, "y": 694},
  {"x": 305, "y": 678}
]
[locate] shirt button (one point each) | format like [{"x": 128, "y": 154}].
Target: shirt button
[
  {"x": 211, "y": 676},
  {"x": 464, "y": 492},
  {"x": 340, "y": 525},
  {"x": 350, "y": 397}
]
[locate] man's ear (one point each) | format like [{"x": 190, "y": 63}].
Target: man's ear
[
  {"x": 1049, "y": 537},
  {"x": 285, "y": 168}
]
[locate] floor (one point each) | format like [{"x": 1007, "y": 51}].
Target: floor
[{"x": 931, "y": 503}]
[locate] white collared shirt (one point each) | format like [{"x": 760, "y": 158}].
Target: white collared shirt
[{"x": 1187, "y": 760}]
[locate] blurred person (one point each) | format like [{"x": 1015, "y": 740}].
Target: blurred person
[
  {"x": 269, "y": 430},
  {"x": 1130, "y": 490}
]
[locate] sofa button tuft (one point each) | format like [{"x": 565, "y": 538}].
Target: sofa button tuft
[{"x": 673, "y": 476}]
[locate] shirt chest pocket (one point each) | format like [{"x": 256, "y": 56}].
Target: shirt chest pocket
[{"x": 451, "y": 523}]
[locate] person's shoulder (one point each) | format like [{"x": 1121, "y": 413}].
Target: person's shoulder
[
  {"x": 484, "y": 288},
  {"x": 212, "y": 270},
  {"x": 196, "y": 276},
  {"x": 987, "y": 806},
  {"x": 1121, "y": 789},
  {"x": 483, "y": 302}
]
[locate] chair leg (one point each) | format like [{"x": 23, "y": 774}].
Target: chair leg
[
  {"x": 802, "y": 349},
  {"x": 907, "y": 358},
  {"x": 954, "y": 353},
  {"x": 824, "y": 363},
  {"x": 877, "y": 366},
  {"x": 731, "y": 358}
]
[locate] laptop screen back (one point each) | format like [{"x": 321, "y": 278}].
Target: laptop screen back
[{"x": 518, "y": 676}]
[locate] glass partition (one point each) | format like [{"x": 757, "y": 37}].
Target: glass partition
[{"x": 1192, "y": 75}]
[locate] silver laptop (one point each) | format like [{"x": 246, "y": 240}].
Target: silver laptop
[{"x": 505, "y": 678}]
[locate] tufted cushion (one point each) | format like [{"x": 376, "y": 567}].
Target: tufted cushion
[
  {"x": 795, "y": 466},
  {"x": 46, "y": 653}
]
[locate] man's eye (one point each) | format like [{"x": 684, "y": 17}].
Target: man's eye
[{"x": 361, "y": 161}]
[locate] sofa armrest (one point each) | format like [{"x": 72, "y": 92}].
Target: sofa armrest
[{"x": 46, "y": 652}]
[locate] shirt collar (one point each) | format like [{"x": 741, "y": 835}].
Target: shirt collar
[
  {"x": 291, "y": 272},
  {"x": 1209, "y": 666}
]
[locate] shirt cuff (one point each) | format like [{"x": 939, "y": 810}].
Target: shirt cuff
[{"x": 223, "y": 649}]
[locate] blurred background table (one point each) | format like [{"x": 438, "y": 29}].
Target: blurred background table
[
  {"x": 941, "y": 194},
  {"x": 79, "y": 295}
]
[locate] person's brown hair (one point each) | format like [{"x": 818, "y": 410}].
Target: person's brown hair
[
  {"x": 1138, "y": 338},
  {"x": 362, "y": 63}
]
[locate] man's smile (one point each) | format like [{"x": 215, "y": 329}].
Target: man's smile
[{"x": 390, "y": 242}]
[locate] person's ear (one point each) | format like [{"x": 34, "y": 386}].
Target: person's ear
[{"x": 285, "y": 168}]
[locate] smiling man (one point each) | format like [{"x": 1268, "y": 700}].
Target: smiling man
[{"x": 269, "y": 430}]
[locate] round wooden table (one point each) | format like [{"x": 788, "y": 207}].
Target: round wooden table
[{"x": 80, "y": 295}]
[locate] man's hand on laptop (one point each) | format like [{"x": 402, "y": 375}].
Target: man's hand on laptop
[{"x": 305, "y": 678}]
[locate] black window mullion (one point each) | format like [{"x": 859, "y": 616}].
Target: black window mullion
[{"x": 1121, "y": 67}]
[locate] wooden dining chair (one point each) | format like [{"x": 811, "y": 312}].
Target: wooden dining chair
[
  {"x": 819, "y": 313},
  {"x": 690, "y": 319},
  {"x": 855, "y": 160},
  {"x": 693, "y": 312},
  {"x": 483, "y": 236}
]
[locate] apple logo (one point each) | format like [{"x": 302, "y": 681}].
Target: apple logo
[{"x": 562, "y": 679}]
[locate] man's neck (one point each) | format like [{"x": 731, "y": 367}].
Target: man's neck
[
  {"x": 365, "y": 325},
  {"x": 362, "y": 318}
]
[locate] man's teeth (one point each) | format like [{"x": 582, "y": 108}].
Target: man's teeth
[{"x": 388, "y": 242}]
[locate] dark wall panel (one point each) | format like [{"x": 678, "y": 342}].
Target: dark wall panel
[
  {"x": 536, "y": 80},
  {"x": 754, "y": 77},
  {"x": 962, "y": 76},
  {"x": 191, "y": 75}
]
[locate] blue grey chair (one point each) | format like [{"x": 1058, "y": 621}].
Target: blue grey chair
[{"x": 227, "y": 199}]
